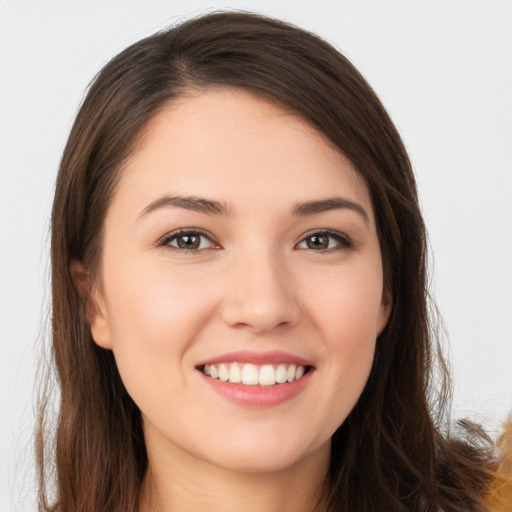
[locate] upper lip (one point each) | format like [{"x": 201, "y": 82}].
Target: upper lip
[{"x": 257, "y": 358}]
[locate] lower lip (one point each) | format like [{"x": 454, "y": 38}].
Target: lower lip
[{"x": 259, "y": 396}]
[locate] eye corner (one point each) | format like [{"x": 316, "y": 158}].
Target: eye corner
[
  {"x": 198, "y": 241},
  {"x": 322, "y": 241}
]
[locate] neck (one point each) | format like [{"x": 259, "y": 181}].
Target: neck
[{"x": 175, "y": 483}]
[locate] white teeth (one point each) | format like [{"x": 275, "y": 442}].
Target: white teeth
[
  {"x": 281, "y": 374},
  {"x": 267, "y": 375},
  {"x": 290, "y": 374},
  {"x": 235, "y": 374},
  {"x": 223, "y": 373},
  {"x": 250, "y": 375},
  {"x": 253, "y": 375}
]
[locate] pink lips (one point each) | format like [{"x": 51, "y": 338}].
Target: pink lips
[
  {"x": 258, "y": 396},
  {"x": 259, "y": 358}
]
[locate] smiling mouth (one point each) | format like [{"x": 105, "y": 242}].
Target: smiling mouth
[{"x": 248, "y": 374}]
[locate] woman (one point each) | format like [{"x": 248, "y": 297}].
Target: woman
[{"x": 240, "y": 310}]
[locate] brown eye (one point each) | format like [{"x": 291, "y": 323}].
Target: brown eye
[
  {"x": 318, "y": 242},
  {"x": 188, "y": 241},
  {"x": 325, "y": 241}
]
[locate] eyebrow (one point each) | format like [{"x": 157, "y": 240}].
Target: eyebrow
[
  {"x": 196, "y": 204},
  {"x": 330, "y": 203},
  {"x": 211, "y": 207}
]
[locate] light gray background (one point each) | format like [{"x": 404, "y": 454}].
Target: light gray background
[{"x": 443, "y": 70}]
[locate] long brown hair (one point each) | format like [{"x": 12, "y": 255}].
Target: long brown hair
[{"x": 394, "y": 451}]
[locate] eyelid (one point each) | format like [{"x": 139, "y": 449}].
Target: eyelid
[
  {"x": 164, "y": 241},
  {"x": 344, "y": 241}
]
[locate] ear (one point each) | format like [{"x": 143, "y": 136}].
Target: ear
[
  {"x": 94, "y": 305},
  {"x": 386, "y": 306}
]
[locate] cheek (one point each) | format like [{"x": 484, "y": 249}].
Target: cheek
[
  {"x": 347, "y": 315},
  {"x": 155, "y": 306},
  {"x": 154, "y": 316},
  {"x": 350, "y": 334},
  {"x": 349, "y": 308}
]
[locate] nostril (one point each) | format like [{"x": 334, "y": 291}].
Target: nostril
[{"x": 261, "y": 315}]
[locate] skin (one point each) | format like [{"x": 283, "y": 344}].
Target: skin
[{"x": 254, "y": 284}]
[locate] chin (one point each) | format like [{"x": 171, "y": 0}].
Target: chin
[{"x": 267, "y": 457}]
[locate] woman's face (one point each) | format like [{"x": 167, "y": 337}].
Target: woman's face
[{"x": 239, "y": 245}]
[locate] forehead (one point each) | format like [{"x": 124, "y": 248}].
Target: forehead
[{"x": 239, "y": 148}]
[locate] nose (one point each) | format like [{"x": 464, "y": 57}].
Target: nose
[{"x": 260, "y": 295}]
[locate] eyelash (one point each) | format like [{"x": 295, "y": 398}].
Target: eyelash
[
  {"x": 342, "y": 241},
  {"x": 165, "y": 242}
]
